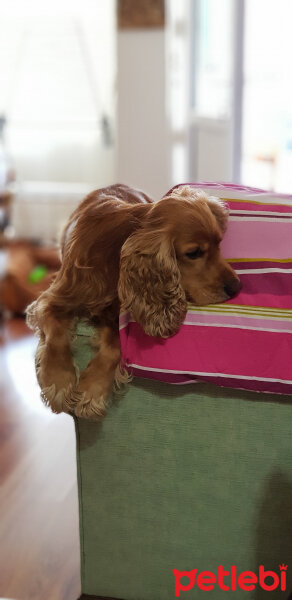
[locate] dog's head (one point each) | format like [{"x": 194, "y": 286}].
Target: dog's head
[{"x": 174, "y": 258}]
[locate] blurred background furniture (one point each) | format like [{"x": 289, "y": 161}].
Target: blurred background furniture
[
  {"x": 27, "y": 270},
  {"x": 7, "y": 176},
  {"x": 5, "y": 210}
]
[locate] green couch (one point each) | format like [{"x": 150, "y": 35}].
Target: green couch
[{"x": 183, "y": 477}]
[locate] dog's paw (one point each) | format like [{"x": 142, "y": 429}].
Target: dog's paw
[
  {"x": 88, "y": 406},
  {"x": 59, "y": 400},
  {"x": 56, "y": 381},
  {"x": 90, "y": 399}
]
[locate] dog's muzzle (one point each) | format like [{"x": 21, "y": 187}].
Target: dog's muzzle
[{"x": 232, "y": 287}]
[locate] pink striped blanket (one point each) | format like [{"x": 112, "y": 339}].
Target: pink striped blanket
[{"x": 243, "y": 343}]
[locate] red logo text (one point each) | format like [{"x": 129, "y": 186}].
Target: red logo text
[{"x": 230, "y": 580}]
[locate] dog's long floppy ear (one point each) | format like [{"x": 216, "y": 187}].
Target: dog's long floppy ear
[
  {"x": 220, "y": 210},
  {"x": 149, "y": 284}
]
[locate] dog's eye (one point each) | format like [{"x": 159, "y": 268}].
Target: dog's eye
[{"x": 195, "y": 253}]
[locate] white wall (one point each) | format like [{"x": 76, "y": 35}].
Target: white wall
[
  {"x": 40, "y": 210},
  {"x": 143, "y": 152},
  {"x": 211, "y": 150}
]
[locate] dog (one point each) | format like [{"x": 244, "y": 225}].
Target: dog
[{"x": 120, "y": 248}]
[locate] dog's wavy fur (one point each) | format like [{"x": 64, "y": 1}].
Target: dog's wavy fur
[{"x": 119, "y": 247}]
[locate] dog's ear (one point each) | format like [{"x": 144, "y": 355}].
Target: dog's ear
[
  {"x": 220, "y": 210},
  {"x": 149, "y": 284}
]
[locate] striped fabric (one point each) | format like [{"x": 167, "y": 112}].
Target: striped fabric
[{"x": 246, "y": 342}]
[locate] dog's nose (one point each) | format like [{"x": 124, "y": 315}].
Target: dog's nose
[{"x": 232, "y": 287}]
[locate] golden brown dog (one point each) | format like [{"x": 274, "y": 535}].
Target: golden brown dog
[{"x": 119, "y": 247}]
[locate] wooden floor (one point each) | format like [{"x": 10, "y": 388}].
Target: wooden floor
[{"x": 39, "y": 542}]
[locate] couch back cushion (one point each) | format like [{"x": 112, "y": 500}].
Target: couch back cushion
[{"x": 245, "y": 342}]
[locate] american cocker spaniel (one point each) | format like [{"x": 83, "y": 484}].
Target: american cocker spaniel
[{"x": 120, "y": 248}]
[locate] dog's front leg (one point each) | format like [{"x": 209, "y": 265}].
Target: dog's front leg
[
  {"x": 90, "y": 399},
  {"x": 55, "y": 368}
]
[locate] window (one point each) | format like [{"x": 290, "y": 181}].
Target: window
[{"x": 57, "y": 70}]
